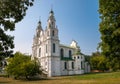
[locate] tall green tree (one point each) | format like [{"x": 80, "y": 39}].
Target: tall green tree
[
  {"x": 110, "y": 31},
  {"x": 98, "y": 62},
  {"x": 11, "y": 12},
  {"x": 22, "y": 66}
]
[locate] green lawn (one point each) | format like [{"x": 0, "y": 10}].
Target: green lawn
[{"x": 93, "y": 78}]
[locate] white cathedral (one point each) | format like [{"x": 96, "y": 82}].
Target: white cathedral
[{"x": 57, "y": 59}]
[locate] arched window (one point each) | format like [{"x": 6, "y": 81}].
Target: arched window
[
  {"x": 72, "y": 65},
  {"x": 70, "y": 54},
  {"x": 46, "y": 48},
  {"x": 53, "y": 33},
  {"x": 82, "y": 64},
  {"x": 65, "y": 65},
  {"x": 52, "y": 23},
  {"x": 53, "y": 47},
  {"x": 39, "y": 52},
  {"x": 61, "y": 53}
]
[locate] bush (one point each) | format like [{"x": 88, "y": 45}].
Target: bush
[{"x": 21, "y": 66}]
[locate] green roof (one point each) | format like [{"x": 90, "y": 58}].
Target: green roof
[{"x": 66, "y": 58}]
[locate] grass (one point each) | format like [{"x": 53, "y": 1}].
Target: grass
[{"x": 93, "y": 78}]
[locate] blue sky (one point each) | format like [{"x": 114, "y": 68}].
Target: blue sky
[{"x": 76, "y": 20}]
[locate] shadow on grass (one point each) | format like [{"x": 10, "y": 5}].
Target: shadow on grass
[
  {"x": 4, "y": 82},
  {"x": 35, "y": 79},
  {"x": 95, "y": 73}
]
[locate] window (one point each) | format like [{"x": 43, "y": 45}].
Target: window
[
  {"x": 70, "y": 54},
  {"x": 65, "y": 65},
  {"x": 72, "y": 65},
  {"x": 53, "y": 33},
  {"x": 52, "y": 23},
  {"x": 82, "y": 64},
  {"x": 53, "y": 47},
  {"x": 61, "y": 53},
  {"x": 39, "y": 52}
]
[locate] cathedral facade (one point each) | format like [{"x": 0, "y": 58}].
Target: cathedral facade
[{"x": 57, "y": 59}]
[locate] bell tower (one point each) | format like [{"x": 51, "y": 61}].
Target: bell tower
[
  {"x": 52, "y": 35},
  {"x": 52, "y": 31},
  {"x": 52, "y": 41},
  {"x": 51, "y": 20},
  {"x": 39, "y": 29},
  {"x": 36, "y": 39}
]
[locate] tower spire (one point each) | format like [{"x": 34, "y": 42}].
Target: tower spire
[
  {"x": 51, "y": 8},
  {"x": 51, "y": 12},
  {"x": 39, "y": 28},
  {"x": 39, "y": 22},
  {"x": 51, "y": 20}
]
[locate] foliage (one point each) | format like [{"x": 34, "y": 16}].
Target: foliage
[
  {"x": 87, "y": 58},
  {"x": 11, "y": 12},
  {"x": 98, "y": 62},
  {"x": 21, "y": 66},
  {"x": 96, "y": 53},
  {"x": 110, "y": 31}
]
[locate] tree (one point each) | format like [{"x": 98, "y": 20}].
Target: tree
[
  {"x": 21, "y": 66},
  {"x": 98, "y": 62},
  {"x": 87, "y": 58},
  {"x": 110, "y": 31},
  {"x": 11, "y": 12}
]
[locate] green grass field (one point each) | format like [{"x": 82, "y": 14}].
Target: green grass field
[{"x": 94, "y": 78}]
